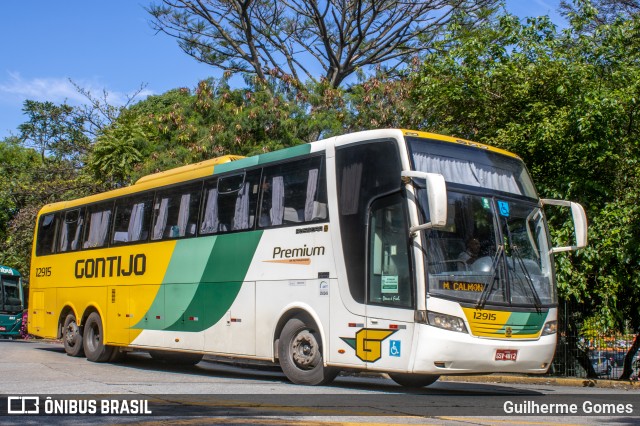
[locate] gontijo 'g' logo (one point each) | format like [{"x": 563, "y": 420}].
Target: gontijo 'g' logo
[{"x": 368, "y": 343}]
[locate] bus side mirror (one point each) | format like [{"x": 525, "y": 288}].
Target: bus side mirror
[
  {"x": 579, "y": 223},
  {"x": 437, "y": 198}
]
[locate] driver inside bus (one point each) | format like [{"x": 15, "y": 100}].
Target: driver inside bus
[{"x": 469, "y": 255}]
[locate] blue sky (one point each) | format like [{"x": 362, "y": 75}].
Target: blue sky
[{"x": 104, "y": 45}]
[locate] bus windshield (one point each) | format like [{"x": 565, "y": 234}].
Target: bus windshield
[
  {"x": 10, "y": 295},
  {"x": 494, "y": 248}
]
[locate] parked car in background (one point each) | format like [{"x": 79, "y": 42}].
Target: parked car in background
[{"x": 601, "y": 365}]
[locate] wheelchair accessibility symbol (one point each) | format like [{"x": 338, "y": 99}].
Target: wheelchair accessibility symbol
[
  {"x": 503, "y": 206},
  {"x": 394, "y": 347}
]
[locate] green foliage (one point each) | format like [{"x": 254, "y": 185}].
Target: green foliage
[
  {"x": 16, "y": 164},
  {"x": 567, "y": 103},
  {"x": 182, "y": 127},
  {"x": 116, "y": 152},
  {"x": 39, "y": 167},
  {"x": 54, "y": 131}
]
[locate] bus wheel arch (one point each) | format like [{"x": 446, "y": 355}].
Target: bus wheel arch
[
  {"x": 68, "y": 309},
  {"x": 300, "y": 350},
  {"x": 71, "y": 332}
]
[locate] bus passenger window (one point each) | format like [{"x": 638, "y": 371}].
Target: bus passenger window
[
  {"x": 230, "y": 203},
  {"x": 71, "y": 230},
  {"x": 293, "y": 193},
  {"x": 98, "y": 220},
  {"x": 131, "y": 219},
  {"x": 176, "y": 212},
  {"x": 46, "y": 234},
  {"x": 210, "y": 223}
]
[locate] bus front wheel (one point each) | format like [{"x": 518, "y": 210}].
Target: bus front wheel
[
  {"x": 72, "y": 336},
  {"x": 300, "y": 354},
  {"x": 94, "y": 347},
  {"x": 413, "y": 380}
]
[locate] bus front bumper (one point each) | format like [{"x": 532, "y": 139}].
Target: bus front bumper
[{"x": 443, "y": 352}]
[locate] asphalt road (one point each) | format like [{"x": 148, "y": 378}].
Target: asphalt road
[{"x": 215, "y": 393}]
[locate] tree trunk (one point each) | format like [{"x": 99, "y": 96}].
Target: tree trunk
[
  {"x": 627, "y": 369},
  {"x": 581, "y": 355}
]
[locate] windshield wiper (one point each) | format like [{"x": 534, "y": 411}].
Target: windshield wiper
[
  {"x": 536, "y": 299},
  {"x": 488, "y": 289},
  {"x": 515, "y": 252}
]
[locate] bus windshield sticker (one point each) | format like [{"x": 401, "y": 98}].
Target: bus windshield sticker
[
  {"x": 503, "y": 206},
  {"x": 486, "y": 204},
  {"x": 389, "y": 284}
]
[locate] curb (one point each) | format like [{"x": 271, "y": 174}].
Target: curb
[{"x": 554, "y": 381}]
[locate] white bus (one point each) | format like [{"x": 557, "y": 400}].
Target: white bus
[{"x": 394, "y": 251}]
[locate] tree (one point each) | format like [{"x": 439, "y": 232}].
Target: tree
[
  {"x": 606, "y": 11},
  {"x": 54, "y": 131},
  {"x": 40, "y": 166},
  {"x": 16, "y": 162},
  {"x": 117, "y": 152},
  {"x": 294, "y": 39},
  {"x": 99, "y": 114},
  {"x": 29, "y": 183},
  {"x": 567, "y": 103},
  {"x": 184, "y": 126}
]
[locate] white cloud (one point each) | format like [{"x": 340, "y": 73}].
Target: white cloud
[{"x": 59, "y": 90}]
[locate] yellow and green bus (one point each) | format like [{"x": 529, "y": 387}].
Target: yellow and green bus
[{"x": 396, "y": 251}]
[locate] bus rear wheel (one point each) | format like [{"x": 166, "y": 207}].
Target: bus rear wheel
[
  {"x": 94, "y": 347},
  {"x": 300, "y": 354},
  {"x": 72, "y": 336},
  {"x": 414, "y": 380}
]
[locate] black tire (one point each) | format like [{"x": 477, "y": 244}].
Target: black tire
[
  {"x": 300, "y": 354},
  {"x": 72, "y": 336},
  {"x": 176, "y": 358},
  {"x": 414, "y": 380},
  {"x": 117, "y": 355},
  {"x": 94, "y": 347}
]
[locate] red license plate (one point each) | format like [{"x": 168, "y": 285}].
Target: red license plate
[{"x": 506, "y": 354}]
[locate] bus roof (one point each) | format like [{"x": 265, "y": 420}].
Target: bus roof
[
  {"x": 235, "y": 162},
  {"x": 6, "y": 270},
  {"x": 466, "y": 142}
]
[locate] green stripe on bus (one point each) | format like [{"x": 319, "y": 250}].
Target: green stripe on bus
[
  {"x": 268, "y": 157},
  {"x": 220, "y": 282},
  {"x": 525, "y": 322},
  {"x": 181, "y": 279}
]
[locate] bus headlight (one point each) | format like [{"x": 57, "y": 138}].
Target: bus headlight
[
  {"x": 447, "y": 322},
  {"x": 550, "y": 327}
]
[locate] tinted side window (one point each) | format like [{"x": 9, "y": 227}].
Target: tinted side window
[
  {"x": 71, "y": 229},
  {"x": 230, "y": 203},
  {"x": 132, "y": 219},
  {"x": 98, "y": 220},
  {"x": 364, "y": 172},
  {"x": 46, "y": 234},
  {"x": 293, "y": 193},
  {"x": 176, "y": 212}
]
